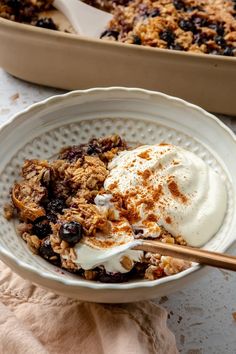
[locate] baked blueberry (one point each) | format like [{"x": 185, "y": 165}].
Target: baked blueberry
[
  {"x": 186, "y": 25},
  {"x": 55, "y": 205},
  {"x": 110, "y": 33},
  {"x": 113, "y": 277},
  {"x": 137, "y": 40},
  {"x": 228, "y": 51},
  {"x": 15, "y": 4},
  {"x": 200, "y": 38},
  {"x": 71, "y": 232},
  {"x": 47, "y": 252},
  {"x": 46, "y": 23},
  {"x": 176, "y": 46},
  {"x": 179, "y": 4},
  {"x": 154, "y": 13},
  {"x": 73, "y": 153},
  {"x": 52, "y": 218},
  {"x": 168, "y": 36},
  {"x": 199, "y": 21},
  {"x": 41, "y": 227},
  {"x": 220, "y": 41},
  {"x": 46, "y": 249},
  {"x": 218, "y": 27}
]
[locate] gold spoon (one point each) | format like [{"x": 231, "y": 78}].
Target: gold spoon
[{"x": 198, "y": 255}]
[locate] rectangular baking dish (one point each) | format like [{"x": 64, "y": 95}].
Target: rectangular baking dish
[{"x": 68, "y": 61}]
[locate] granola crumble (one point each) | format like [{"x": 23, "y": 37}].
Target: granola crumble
[
  {"x": 206, "y": 26},
  {"x": 197, "y": 26},
  {"x": 54, "y": 202}
]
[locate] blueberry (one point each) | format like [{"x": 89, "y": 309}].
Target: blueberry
[
  {"x": 55, "y": 205},
  {"x": 52, "y": 218},
  {"x": 113, "y": 277},
  {"x": 15, "y": 4},
  {"x": 200, "y": 38},
  {"x": 218, "y": 27},
  {"x": 220, "y": 41},
  {"x": 47, "y": 252},
  {"x": 214, "y": 52},
  {"x": 137, "y": 40},
  {"x": 176, "y": 47},
  {"x": 186, "y": 25},
  {"x": 46, "y": 23},
  {"x": 72, "y": 153},
  {"x": 193, "y": 8},
  {"x": 41, "y": 227},
  {"x": 46, "y": 249},
  {"x": 179, "y": 4},
  {"x": 71, "y": 232},
  {"x": 91, "y": 150},
  {"x": 199, "y": 21},
  {"x": 94, "y": 149},
  {"x": 228, "y": 51},
  {"x": 168, "y": 36},
  {"x": 154, "y": 13},
  {"x": 110, "y": 33}
]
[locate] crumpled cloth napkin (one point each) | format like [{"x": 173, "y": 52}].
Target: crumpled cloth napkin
[{"x": 36, "y": 321}]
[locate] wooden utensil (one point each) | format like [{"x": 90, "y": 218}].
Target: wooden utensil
[{"x": 198, "y": 255}]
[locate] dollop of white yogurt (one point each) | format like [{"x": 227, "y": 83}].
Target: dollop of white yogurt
[
  {"x": 162, "y": 185},
  {"x": 173, "y": 186}
]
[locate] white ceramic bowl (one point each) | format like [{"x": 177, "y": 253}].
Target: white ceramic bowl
[{"x": 138, "y": 116}]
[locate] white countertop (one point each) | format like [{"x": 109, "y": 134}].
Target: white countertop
[{"x": 201, "y": 314}]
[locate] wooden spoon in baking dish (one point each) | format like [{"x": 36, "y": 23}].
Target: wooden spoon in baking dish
[
  {"x": 198, "y": 255},
  {"x": 85, "y": 19}
]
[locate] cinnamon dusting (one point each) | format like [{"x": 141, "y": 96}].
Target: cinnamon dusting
[
  {"x": 174, "y": 190},
  {"x": 156, "y": 193},
  {"x": 168, "y": 220},
  {"x": 145, "y": 155}
]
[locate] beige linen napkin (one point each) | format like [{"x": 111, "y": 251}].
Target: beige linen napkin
[{"x": 33, "y": 320}]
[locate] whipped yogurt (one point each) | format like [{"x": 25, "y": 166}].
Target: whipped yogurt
[
  {"x": 89, "y": 258},
  {"x": 169, "y": 186},
  {"x": 162, "y": 185}
]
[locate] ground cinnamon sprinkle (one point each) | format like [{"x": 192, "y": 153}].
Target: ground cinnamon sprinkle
[
  {"x": 174, "y": 190},
  {"x": 156, "y": 193},
  {"x": 145, "y": 174},
  {"x": 124, "y": 228},
  {"x": 148, "y": 202},
  {"x": 131, "y": 215},
  {"x": 151, "y": 217},
  {"x": 175, "y": 162},
  {"x": 113, "y": 186},
  {"x": 168, "y": 220},
  {"x": 145, "y": 155}
]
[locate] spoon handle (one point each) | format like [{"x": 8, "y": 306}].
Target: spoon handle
[{"x": 198, "y": 255}]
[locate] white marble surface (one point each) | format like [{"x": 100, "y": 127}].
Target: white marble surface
[{"x": 199, "y": 315}]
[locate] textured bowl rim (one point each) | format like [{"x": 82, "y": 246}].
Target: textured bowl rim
[
  {"x": 47, "y": 33},
  {"x": 9, "y": 258}
]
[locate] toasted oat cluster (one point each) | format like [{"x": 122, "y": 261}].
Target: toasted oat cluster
[
  {"x": 54, "y": 202},
  {"x": 200, "y": 26}
]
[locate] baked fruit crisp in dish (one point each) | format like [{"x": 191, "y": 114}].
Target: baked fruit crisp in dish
[
  {"x": 199, "y": 26},
  {"x": 103, "y": 194},
  {"x": 207, "y": 26}
]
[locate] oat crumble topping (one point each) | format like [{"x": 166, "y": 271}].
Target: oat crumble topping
[
  {"x": 54, "y": 202},
  {"x": 197, "y": 26}
]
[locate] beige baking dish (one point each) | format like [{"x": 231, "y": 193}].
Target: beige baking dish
[{"x": 69, "y": 61}]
